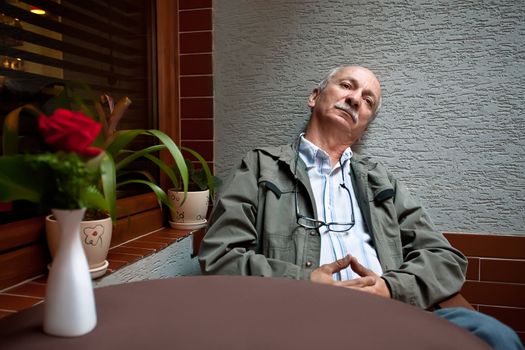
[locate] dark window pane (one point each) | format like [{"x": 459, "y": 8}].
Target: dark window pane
[{"x": 107, "y": 45}]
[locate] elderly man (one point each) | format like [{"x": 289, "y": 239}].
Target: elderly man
[{"x": 315, "y": 210}]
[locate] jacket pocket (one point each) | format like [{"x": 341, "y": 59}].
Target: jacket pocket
[
  {"x": 278, "y": 226},
  {"x": 288, "y": 247},
  {"x": 281, "y": 247}
]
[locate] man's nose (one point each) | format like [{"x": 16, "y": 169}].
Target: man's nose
[{"x": 353, "y": 99}]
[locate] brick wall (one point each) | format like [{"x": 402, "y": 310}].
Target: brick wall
[
  {"x": 196, "y": 76},
  {"x": 495, "y": 276}
]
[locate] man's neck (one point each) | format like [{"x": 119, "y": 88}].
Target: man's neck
[{"x": 330, "y": 145}]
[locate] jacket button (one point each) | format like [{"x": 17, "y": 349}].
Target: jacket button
[
  {"x": 308, "y": 263},
  {"x": 312, "y": 233}
]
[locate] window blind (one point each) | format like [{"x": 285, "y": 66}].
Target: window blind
[{"x": 107, "y": 45}]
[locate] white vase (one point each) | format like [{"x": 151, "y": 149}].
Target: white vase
[{"x": 69, "y": 308}]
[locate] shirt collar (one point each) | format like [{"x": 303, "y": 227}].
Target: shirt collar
[{"x": 310, "y": 152}]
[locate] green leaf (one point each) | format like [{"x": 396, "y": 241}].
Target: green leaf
[
  {"x": 201, "y": 180},
  {"x": 121, "y": 139},
  {"x": 137, "y": 154},
  {"x": 18, "y": 181},
  {"x": 10, "y": 130},
  {"x": 142, "y": 173},
  {"x": 176, "y": 154},
  {"x": 205, "y": 168},
  {"x": 118, "y": 142},
  {"x": 94, "y": 199},
  {"x": 104, "y": 164},
  {"x": 109, "y": 183},
  {"x": 159, "y": 193},
  {"x": 165, "y": 168}
]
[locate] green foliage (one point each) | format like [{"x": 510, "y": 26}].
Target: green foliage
[
  {"x": 93, "y": 185},
  {"x": 116, "y": 149},
  {"x": 53, "y": 180},
  {"x": 10, "y": 133},
  {"x": 199, "y": 179},
  {"x": 70, "y": 180},
  {"x": 50, "y": 179},
  {"x": 18, "y": 180}
]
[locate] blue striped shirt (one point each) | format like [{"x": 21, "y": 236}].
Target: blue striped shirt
[{"x": 333, "y": 205}]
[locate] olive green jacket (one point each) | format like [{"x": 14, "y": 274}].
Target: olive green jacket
[{"x": 253, "y": 229}]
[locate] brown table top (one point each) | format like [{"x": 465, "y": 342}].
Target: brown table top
[{"x": 230, "y": 312}]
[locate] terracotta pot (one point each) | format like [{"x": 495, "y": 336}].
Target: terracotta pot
[
  {"x": 192, "y": 213},
  {"x": 95, "y": 236}
]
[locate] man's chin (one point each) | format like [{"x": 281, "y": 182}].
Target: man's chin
[
  {"x": 341, "y": 121},
  {"x": 348, "y": 116}
]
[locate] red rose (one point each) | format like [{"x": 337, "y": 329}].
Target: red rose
[{"x": 70, "y": 131}]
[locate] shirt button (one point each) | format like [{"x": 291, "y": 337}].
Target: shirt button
[{"x": 308, "y": 263}]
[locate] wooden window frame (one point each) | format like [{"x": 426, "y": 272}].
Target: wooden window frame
[{"x": 23, "y": 250}]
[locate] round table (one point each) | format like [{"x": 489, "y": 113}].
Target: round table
[{"x": 231, "y": 312}]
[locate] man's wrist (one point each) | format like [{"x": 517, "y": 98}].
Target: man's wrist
[{"x": 388, "y": 287}]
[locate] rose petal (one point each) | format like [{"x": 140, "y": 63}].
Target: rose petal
[
  {"x": 91, "y": 151},
  {"x": 69, "y": 131}
]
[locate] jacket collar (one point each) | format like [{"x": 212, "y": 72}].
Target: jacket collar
[
  {"x": 288, "y": 154},
  {"x": 359, "y": 166}
]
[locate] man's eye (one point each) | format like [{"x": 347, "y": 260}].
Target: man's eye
[
  {"x": 370, "y": 102},
  {"x": 346, "y": 85}
]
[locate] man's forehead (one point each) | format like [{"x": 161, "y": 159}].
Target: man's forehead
[
  {"x": 360, "y": 74},
  {"x": 356, "y": 72}
]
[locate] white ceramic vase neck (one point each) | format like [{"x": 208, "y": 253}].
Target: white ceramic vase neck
[{"x": 69, "y": 308}]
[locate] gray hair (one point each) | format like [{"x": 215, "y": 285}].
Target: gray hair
[{"x": 322, "y": 84}]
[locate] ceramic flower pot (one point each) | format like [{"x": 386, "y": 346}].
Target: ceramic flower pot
[
  {"x": 95, "y": 236},
  {"x": 191, "y": 214}
]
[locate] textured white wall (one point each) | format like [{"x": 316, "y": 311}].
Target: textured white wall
[
  {"x": 172, "y": 261},
  {"x": 453, "y": 76}
]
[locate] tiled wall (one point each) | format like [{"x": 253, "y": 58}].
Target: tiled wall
[
  {"x": 495, "y": 276},
  {"x": 196, "y": 76}
]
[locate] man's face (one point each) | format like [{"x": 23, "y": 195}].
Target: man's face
[{"x": 348, "y": 101}]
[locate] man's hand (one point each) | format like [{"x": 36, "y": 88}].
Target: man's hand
[
  {"x": 369, "y": 281},
  {"x": 323, "y": 274}
]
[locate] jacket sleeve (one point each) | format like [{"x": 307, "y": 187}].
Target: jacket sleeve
[
  {"x": 231, "y": 245},
  {"x": 432, "y": 270}
]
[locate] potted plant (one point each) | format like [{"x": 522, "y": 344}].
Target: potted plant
[
  {"x": 190, "y": 208},
  {"x": 96, "y": 227},
  {"x": 115, "y": 143},
  {"x": 96, "y": 230},
  {"x": 60, "y": 177}
]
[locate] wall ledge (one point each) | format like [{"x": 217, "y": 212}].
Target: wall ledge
[{"x": 162, "y": 253}]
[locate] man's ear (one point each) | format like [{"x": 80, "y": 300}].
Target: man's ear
[{"x": 313, "y": 97}]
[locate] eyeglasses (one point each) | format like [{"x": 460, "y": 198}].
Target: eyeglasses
[{"x": 311, "y": 223}]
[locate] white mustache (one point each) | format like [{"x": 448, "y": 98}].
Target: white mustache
[{"x": 348, "y": 109}]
